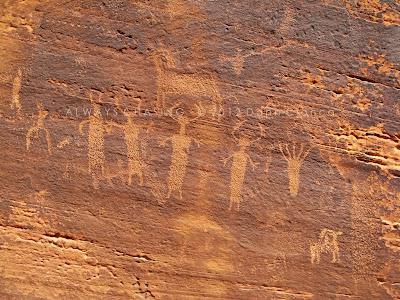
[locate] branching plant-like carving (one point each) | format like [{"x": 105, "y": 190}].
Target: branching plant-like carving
[
  {"x": 96, "y": 132},
  {"x": 180, "y": 150},
  {"x": 33, "y": 132},
  {"x": 327, "y": 243},
  {"x": 295, "y": 159},
  {"x": 239, "y": 166},
  {"x": 169, "y": 81},
  {"x": 16, "y": 102}
]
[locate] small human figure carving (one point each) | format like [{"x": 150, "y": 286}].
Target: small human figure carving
[
  {"x": 132, "y": 140},
  {"x": 240, "y": 159},
  {"x": 33, "y": 132},
  {"x": 169, "y": 81},
  {"x": 180, "y": 150},
  {"x": 327, "y": 243},
  {"x": 295, "y": 160}
]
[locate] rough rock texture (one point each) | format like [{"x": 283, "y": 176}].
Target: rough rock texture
[{"x": 199, "y": 149}]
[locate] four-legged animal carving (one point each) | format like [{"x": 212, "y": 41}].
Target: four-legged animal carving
[
  {"x": 170, "y": 81},
  {"x": 327, "y": 243}
]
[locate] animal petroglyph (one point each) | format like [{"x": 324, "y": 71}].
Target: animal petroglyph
[
  {"x": 327, "y": 243},
  {"x": 96, "y": 132},
  {"x": 180, "y": 150},
  {"x": 295, "y": 159},
  {"x": 33, "y": 132},
  {"x": 64, "y": 142},
  {"x": 16, "y": 101},
  {"x": 169, "y": 81},
  {"x": 240, "y": 159}
]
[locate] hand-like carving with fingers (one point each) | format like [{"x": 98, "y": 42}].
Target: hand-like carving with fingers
[
  {"x": 180, "y": 150},
  {"x": 33, "y": 132},
  {"x": 295, "y": 159},
  {"x": 240, "y": 159}
]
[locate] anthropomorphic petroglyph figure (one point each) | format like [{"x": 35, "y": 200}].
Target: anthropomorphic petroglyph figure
[
  {"x": 16, "y": 101},
  {"x": 96, "y": 132},
  {"x": 180, "y": 150},
  {"x": 169, "y": 81},
  {"x": 33, "y": 132},
  {"x": 240, "y": 159},
  {"x": 295, "y": 159},
  {"x": 327, "y": 243},
  {"x": 132, "y": 140}
]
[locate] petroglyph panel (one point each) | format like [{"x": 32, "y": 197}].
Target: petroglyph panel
[{"x": 199, "y": 149}]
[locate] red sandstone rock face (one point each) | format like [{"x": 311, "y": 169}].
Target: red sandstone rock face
[{"x": 199, "y": 149}]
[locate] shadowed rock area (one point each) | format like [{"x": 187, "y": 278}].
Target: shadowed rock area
[{"x": 187, "y": 149}]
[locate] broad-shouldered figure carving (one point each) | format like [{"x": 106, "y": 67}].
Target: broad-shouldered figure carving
[
  {"x": 240, "y": 158},
  {"x": 180, "y": 151},
  {"x": 96, "y": 132}
]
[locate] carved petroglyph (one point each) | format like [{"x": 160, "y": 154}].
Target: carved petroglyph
[
  {"x": 240, "y": 159},
  {"x": 65, "y": 142},
  {"x": 327, "y": 243},
  {"x": 132, "y": 141},
  {"x": 170, "y": 82},
  {"x": 118, "y": 173},
  {"x": 96, "y": 133},
  {"x": 295, "y": 159},
  {"x": 16, "y": 101},
  {"x": 34, "y": 131},
  {"x": 40, "y": 196},
  {"x": 158, "y": 188},
  {"x": 180, "y": 150}
]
